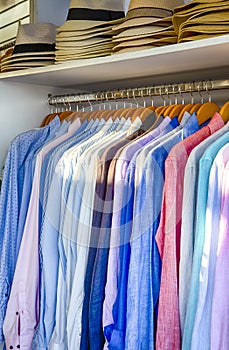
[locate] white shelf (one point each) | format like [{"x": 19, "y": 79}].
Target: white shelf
[{"x": 202, "y": 59}]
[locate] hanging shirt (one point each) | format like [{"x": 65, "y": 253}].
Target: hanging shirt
[
  {"x": 144, "y": 269},
  {"x": 123, "y": 230},
  {"x": 168, "y": 236},
  {"x": 85, "y": 227},
  {"x": 111, "y": 289},
  {"x": 188, "y": 220},
  {"x": 68, "y": 240},
  {"x": 21, "y": 151},
  {"x": 29, "y": 283},
  {"x": 220, "y": 302},
  {"x": 202, "y": 325},
  {"x": 203, "y": 181},
  {"x": 99, "y": 240},
  {"x": 49, "y": 241}
]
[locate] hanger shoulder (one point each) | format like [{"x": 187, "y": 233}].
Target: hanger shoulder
[
  {"x": 224, "y": 112},
  {"x": 176, "y": 111},
  {"x": 206, "y": 111},
  {"x": 195, "y": 108}
]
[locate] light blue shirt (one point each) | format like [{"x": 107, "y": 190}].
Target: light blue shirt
[
  {"x": 145, "y": 264},
  {"x": 203, "y": 181},
  {"x": 16, "y": 177}
]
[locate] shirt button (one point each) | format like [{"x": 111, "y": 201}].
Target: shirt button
[
  {"x": 11, "y": 347},
  {"x": 18, "y": 346},
  {"x": 17, "y": 313}
]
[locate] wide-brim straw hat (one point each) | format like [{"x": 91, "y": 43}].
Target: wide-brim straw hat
[
  {"x": 72, "y": 50},
  {"x": 86, "y": 14},
  {"x": 197, "y": 36},
  {"x": 135, "y": 22},
  {"x": 38, "y": 38},
  {"x": 27, "y": 59},
  {"x": 180, "y": 17},
  {"x": 133, "y": 49},
  {"x": 146, "y": 41},
  {"x": 157, "y": 35},
  {"x": 92, "y": 54},
  {"x": 85, "y": 43},
  {"x": 141, "y": 31}
]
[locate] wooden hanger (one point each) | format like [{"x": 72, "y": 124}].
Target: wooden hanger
[
  {"x": 224, "y": 112},
  {"x": 206, "y": 111}
]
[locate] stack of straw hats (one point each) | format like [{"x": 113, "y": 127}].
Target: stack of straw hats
[
  {"x": 87, "y": 31},
  {"x": 34, "y": 47},
  {"x": 201, "y": 19},
  {"x": 148, "y": 24}
]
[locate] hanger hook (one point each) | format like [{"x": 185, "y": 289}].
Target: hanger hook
[
  {"x": 134, "y": 97},
  {"x": 149, "y": 93},
  {"x": 114, "y": 97},
  {"x": 141, "y": 92},
  {"x": 161, "y": 95},
  {"x": 191, "y": 94},
  {"x": 201, "y": 96},
  {"x": 181, "y": 95},
  {"x": 209, "y": 96},
  {"x": 89, "y": 102},
  {"x": 167, "y": 94}
]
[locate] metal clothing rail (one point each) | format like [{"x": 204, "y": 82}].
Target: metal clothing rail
[{"x": 132, "y": 93}]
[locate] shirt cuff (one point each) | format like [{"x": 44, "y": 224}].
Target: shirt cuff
[{"x": 20, "y": 342}]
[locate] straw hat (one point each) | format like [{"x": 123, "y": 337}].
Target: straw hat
[
  {"x": 86, "y": 14},
  {"x": 135, "y": 48},
  {"x": 146, "y": 41},
  {"x": 135, "y": 22},
  {"x": 35, "y": 46},
  {"x": 141, "y": 31},
  {"x": 182, "y": 14}
]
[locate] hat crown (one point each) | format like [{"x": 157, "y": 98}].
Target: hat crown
[
  {"x": 34, "y": 33},
  {"x": 109, "y": 5}
]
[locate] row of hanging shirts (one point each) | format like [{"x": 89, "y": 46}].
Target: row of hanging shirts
[{"x": 114, "y": 231}]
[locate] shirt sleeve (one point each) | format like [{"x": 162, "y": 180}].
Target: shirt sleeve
[{"x": 22, "y": 312}]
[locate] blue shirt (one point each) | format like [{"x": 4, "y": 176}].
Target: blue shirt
[
  {"x": 11, "y": 203},
  {"x": 145, "y": 264}
]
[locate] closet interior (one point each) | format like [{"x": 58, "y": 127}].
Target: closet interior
[{"x": 172, "y": 78}]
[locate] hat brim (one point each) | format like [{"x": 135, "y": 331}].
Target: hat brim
[
  {"x": 85, "y": 25},
  {"x": 136, "y": 31},
  {"x": 150, "y": 35},
  {"x": 133, "y": 49},
  {"x": 79, "y": 57},
  {"x": 197, "y": 37},
  {"x": 85, "y": 42},
  {"x": 180, "y": 17},
  {"x": 28, "y": 59},
  {"x": 135, "y": 22},
  {"x": 145, "y": 41},
  {"x": 85, "y": 49}
]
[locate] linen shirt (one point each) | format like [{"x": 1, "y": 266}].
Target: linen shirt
[
  {"x": 168, "y": 236},
  {"x": 144, "y": 270},
  {"x": 203, "y": 181},
  {"x": 82, "y": 249},
  {"x": 220, "y": 304},
  {"x": 68, "y": 248},
  {"x": 111, "y": 288},
  {"x": 202, "y": 326},
  {"x": 188, "y": 220},
  {"x": 27, "y": 274},
  {"x": 11, "y": 204},
  {"x": 98, "y": 250},
  {"x": 123, "y": 231},
  {"x": 49, "y": 239}
]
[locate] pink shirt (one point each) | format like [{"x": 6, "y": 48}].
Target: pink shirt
[
  {"x": 22, "y": 314},
  {"x": 168, "y": 236}
]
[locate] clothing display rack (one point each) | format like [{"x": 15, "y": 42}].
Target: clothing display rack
[{"x": 160, "y": 90}]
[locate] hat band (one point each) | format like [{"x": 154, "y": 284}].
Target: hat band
[
  {"x": 23, "y": 48},
  {"x": 93, "y": 15},
  {"x": 148, "y": 12}
]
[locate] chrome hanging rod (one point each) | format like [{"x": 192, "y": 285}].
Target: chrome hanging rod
[{"x": 158, "y": 90}]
